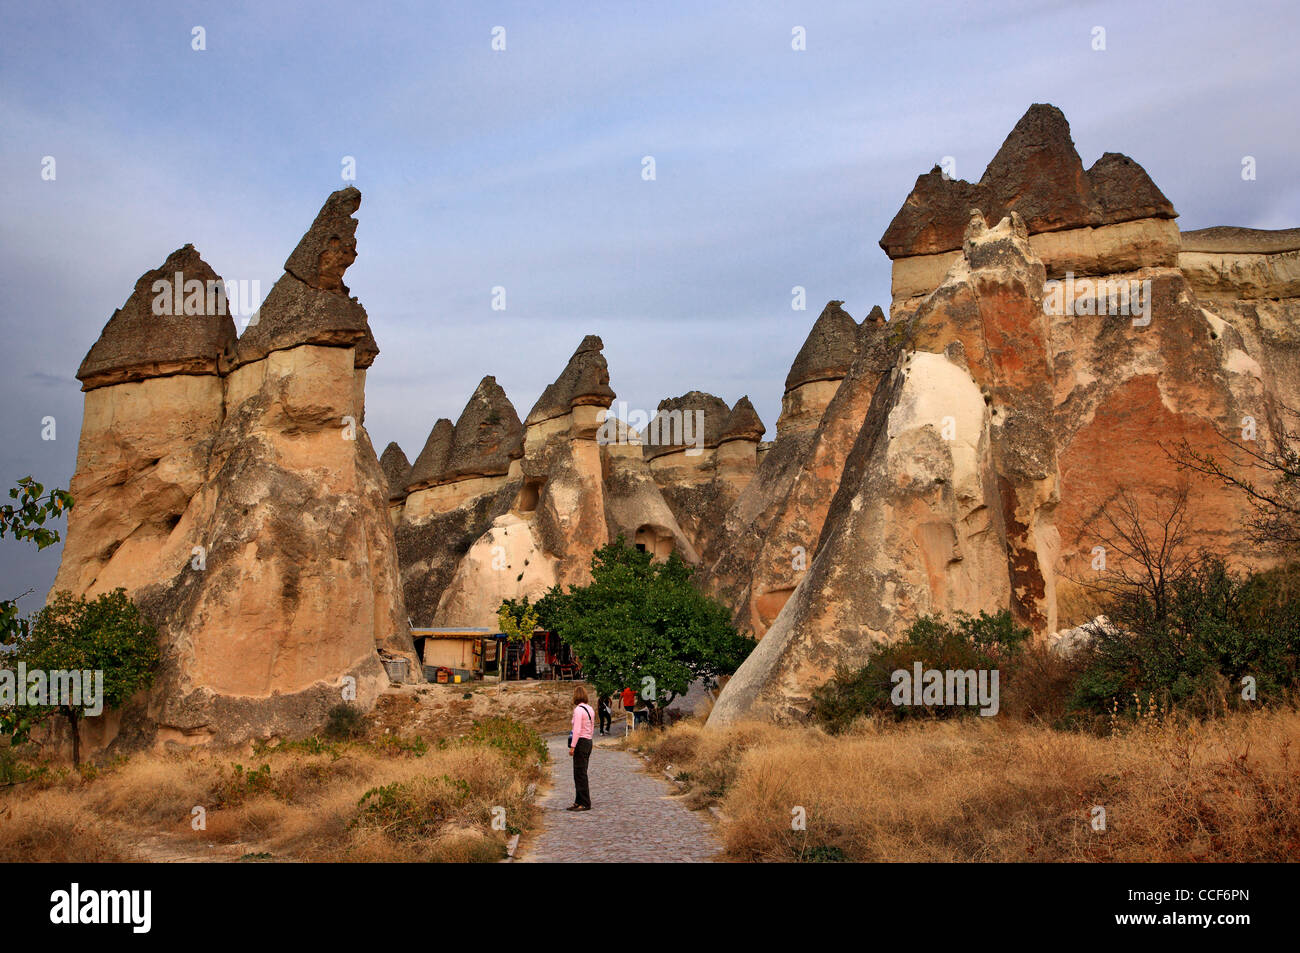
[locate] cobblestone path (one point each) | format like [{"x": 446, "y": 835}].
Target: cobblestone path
[{"x": 633, "y": 815}]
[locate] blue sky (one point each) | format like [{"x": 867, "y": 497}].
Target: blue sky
[{"x": 522, "y": 169}]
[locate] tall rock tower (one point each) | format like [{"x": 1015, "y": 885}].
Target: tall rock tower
[{"x": 230, "y": 487}]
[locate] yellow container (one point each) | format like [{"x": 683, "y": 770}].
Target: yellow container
[{"x": 457, "y": 679}]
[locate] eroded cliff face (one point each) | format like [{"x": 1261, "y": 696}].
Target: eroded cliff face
[
  {"x": 1037, "y": 369},
  {"x": 771, "y": 530},
  {"x": 231, "y": 488}
]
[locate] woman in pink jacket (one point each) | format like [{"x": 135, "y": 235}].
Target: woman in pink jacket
[{"x": 580, "y": 749}]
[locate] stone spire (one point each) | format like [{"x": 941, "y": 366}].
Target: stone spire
[
  {"x": 432, "y": 460},
  {"x": 584, "y": 380},
  {"x": 1037, "y": 173},
  {"x": 828, "y": 350},
  {"x": 164, "y": 330},
  {"x": 397, "y": 471},
  {"x": 487, "y": 436},
  {"x": 310, "y": 302},
  {"x": 674, "y": 426},
  {"x": 743, "y": 422}
]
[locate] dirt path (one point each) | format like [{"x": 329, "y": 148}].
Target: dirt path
[{"x": 633, "y": 816}]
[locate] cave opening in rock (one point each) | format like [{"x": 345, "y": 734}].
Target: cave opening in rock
[{"x": 528, "y": 495}]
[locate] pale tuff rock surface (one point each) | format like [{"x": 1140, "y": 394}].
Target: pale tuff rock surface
[
  {"x": 565, "y": 484},
  {"x": 461, "y": 481},
  {"x": 247, "y": 514},
  {"x": 773, "y": 528},
  {"x": 165, "y": 327},
  {"x": 703, "y": 454},
  {"x": 923, "y": 528}
]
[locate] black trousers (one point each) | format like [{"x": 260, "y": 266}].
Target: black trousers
[
  {"x": 605, "y": 720},
  {"x": 581, "y": 758}
]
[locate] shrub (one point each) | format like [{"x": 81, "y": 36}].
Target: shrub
[
  {"x": 967, "y": 642},
  {"x": 345, "y": 721},
  {"x": 1216, "y": 629},
  {"x": 519, "y": 743},
  {"x": 412, "y": 810}
]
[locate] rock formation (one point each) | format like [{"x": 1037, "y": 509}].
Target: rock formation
[
  {"x": 772, "y": 529},
  {"x": 397, "y": 471},
  {"x": 1052, "y": 338},
  {"x": 467, "y": 475},
  {"x": 230, "y": 486},
  {"x": 1032, "y": 370},
  {"x": 1108, "y": 219},
  {"x": 496, "y": 509}
]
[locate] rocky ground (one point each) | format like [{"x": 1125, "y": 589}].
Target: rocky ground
[{"x": 442, "y": 710}]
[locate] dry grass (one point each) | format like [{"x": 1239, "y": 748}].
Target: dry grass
[
  {"x": 294, "y": 803},
  {"x": 998, "y": 790}
]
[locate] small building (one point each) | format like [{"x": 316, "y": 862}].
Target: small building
[{"x": 462, "y": 650}]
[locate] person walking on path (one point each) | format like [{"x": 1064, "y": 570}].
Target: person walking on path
[
  {"x": 580, "y": 741},
  {"x": 606, "y": 717}
]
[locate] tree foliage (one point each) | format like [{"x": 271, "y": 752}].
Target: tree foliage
[
  {"x": 517, "y": 619},
  {"x": 105, "y": 634},
  {"x": 24, "y": 519},
  {"x": 640, "y": 619}
]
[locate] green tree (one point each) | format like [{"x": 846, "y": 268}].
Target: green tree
[
  {"x": 643, "y": 620},
  {"x": 24, "y": 519},
  {"x": 106, "y": 634},
  {"x": 517, "y": 619}
]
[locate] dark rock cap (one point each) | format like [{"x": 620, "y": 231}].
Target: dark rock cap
[
  {"x": 144, "y": 338},
  {"x": 743, "y": 423},
  {"x": 1123, "y": 191},
  {"x": 310, "y": 303},
  {"x": 584, "y": 380},
  {"x": 397, "y": 470},
  {"x": 487, "y": 436},
  {"x": 1228, "y": 239},
  {"x": 829, "y": 349},
  {"x": 432, "y": 460},
  {"x": 1036, "y": 172},
  {"x": 330, "y": 245},
  {"x": 674, "y": 425}
]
